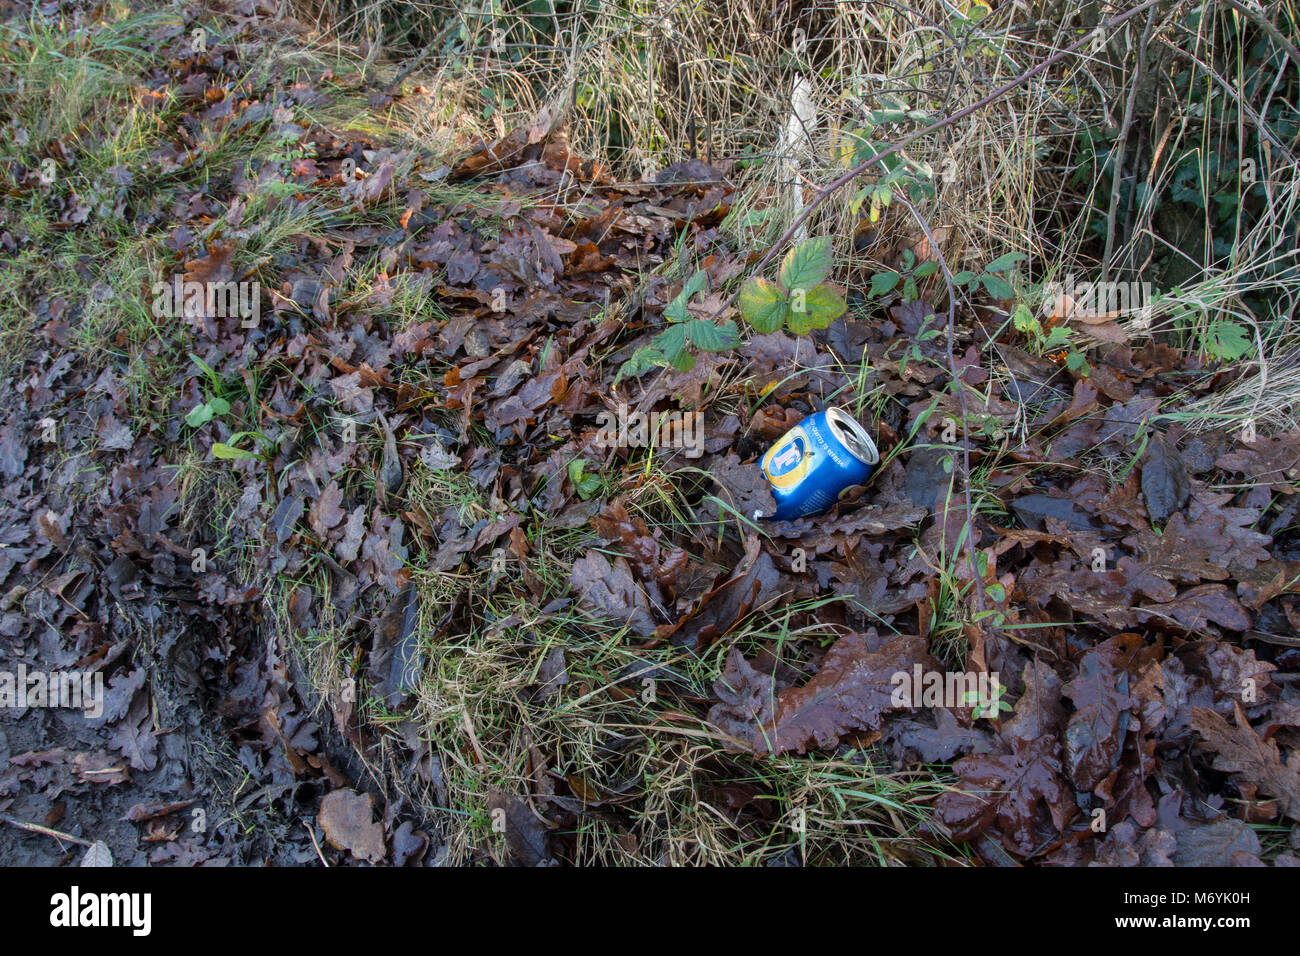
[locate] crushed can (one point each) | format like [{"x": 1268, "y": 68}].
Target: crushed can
[{"x": 817, "y": 462}]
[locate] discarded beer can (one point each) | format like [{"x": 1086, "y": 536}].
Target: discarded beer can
[{"x": 817, "y": 462}]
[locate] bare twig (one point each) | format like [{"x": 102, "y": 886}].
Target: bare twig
[
  {"x": 44, "y": 831},
  {"x": 312, "y": 833}
]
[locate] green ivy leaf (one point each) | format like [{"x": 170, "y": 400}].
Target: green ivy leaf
[
  {"x": 763, "y": 304},
  {"x": 806, "y": 264}
]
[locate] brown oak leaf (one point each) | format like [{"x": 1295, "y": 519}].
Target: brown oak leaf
[
  {"x": 746, "y": 697},
  {"x": 852, "y": 690},
  {"x": 1022, "y": 794},
  {"x": 1239, "y": 750},
  {"x": 1094, "y": 736}
]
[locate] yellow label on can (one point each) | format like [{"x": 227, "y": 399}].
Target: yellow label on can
[{"x": 787, "y": 462}]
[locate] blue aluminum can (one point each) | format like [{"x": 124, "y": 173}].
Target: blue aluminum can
[{"x": 815, "y": 463}]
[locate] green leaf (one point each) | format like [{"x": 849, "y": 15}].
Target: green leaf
[
  {"x": 801, "y": 323},
  {"x": 1059, "y": 336},
  {"x": 963, "y": 277},
  {"x": 1075, "y": 362},
  {"x": 676, "y": 310},
  {"x": 219, "y": 405},
  {"x": 683, "y": 361},
  {"x": 927, "y": 268},
  {"x": 884, "y": 282},
  {"x": 1003, "y": 263},
  {"x": 859, "y": 197},
  {"x": 205, "y": 367},
  {"x": 199, "y": 415},
  {"x": 1023, "y": 319},
  {"x": 763, "y": 304},
  {"x": 806, "y": 264},
  {"x": 712, "y": 338},
  {"x": 229, "y": 452},
  {"x": 1226, "y": 341},
  {"x": 865, "y": 150},
  {"x": 824, "y": 305},
  {"x": 997, "y": 288},
  {"x": 584, "y": 484},
  {"x": 921, "y": 190},
  {"x": 642, "y": 360},
  {"x": 881, "y": 117},
  {"x": 672, "y": 342},
  {"x": 695, "y": 284}
]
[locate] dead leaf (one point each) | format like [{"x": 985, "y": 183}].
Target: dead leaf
[
  {"x": 98, "y": 854},
  {"x": 527, "y": 838},
  {"x": 1239, "y": 750},
  {"x": 347, "y": 819},
  {"x": 746, "y": 697},
  {"x": 852, "y": 690},
  {"x": 1022, "y": 794},
  {"x": 1166, "y": 485}
]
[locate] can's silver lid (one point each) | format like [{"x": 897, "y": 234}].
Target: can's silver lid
[{"x": 853, "y": 436}]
